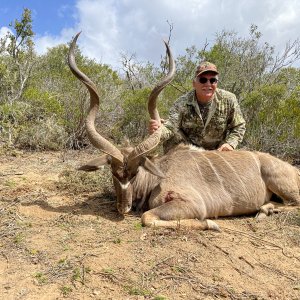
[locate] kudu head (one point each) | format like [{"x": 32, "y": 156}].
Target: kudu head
[{"x": 124, "y": 163}]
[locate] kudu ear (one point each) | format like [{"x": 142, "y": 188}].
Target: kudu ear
[
  {"x": 96, "y": 164},
  {"x": 151, "y": 167}
]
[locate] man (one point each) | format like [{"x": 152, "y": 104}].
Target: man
[{"x": 206, "y": 117}]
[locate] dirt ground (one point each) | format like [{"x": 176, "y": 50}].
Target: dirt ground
[{"x": 60, "y": 241}]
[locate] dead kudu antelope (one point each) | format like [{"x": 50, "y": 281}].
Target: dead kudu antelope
[{"x": 187, "y": 186}]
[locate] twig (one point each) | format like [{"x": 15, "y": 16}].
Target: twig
[
  {"x": 287, "y": 214},
  {"x": 275, "y": 270},
  {"x": 110, "y": 276},
  {"x": 106, "y": 202},
  {"x": 260, "y": 239},
  {"x": 9, "y": 174},
  {"x": 163, "y": 261},
  {"x": 179, "y": 278},
  {"x": 83, "y": 275},
  {"x": 19, "y": 216},
  {"x": 224, "y": 251},
  {"x": 11, "y": 204},
  {"x": 246, "y": 261},
  {"x": 5, "y": 256}
]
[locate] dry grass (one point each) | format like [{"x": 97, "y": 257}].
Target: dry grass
[
  {"x": 62, "y": 238},
  {"x": 81, "y": 182}
]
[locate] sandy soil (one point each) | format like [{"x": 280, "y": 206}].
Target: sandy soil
[{"x": 59, "y": 242}]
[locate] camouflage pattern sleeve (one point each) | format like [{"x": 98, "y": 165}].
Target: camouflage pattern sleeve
[
  {"x": 236, "y": 126},
  {"x": 171, "y": 127}
]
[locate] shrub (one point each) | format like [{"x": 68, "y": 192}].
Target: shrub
[{"x": 42, "y": 135}]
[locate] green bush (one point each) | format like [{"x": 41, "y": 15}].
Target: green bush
[
  {"x": 273, "y": 120},
  {"x": 42, "y": 135}
]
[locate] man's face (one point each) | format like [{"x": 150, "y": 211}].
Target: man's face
[{"x": 205, "y": 86}]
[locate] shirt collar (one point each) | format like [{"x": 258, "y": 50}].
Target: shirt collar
[{"x": 192, "y": 99}]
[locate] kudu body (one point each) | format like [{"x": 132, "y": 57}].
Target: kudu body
[{"x": 187, "y": 186}]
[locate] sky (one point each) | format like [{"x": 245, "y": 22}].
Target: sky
[{"x": 114, "y": 27}]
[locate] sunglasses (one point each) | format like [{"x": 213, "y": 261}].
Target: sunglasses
[{"x": 204, "y": 80}]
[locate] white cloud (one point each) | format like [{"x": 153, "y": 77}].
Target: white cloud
[
  {"x": 136, "y": 26},
  {"x": 3, "y": 31},
  {"x": 42, "y": 43}
]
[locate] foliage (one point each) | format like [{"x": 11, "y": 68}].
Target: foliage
[
  {"x": 78, "y": 182},
  {"x": 242, "y": 62},
  {"x": 41, "y": 135},
  {"x": 17, "y": 54},
  {"x": 17, "y": 59},
  {"x": 246, "y": 63},
  {"x": 43, "y": 106},
  {"x": 273, "y": 115},
  {"x": 266, "y": 88},
  {"x": 133, "y": 123},
  {"x": 53, "y": 97},
  {"x": 71, "y": 96},
  {"x": 185, "y": 68},
  {"x": 140, "y": 80}
]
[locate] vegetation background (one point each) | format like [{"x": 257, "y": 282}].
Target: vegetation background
[
  {"x": 61, "y": 236},
  {"x": 42, "y": 106}
]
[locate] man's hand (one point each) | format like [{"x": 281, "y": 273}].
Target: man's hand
[
  {"x": 225, "y": 147},
  {"x": 154, "y": 125}
]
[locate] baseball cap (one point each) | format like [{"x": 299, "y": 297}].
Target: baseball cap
[{"x": 206, "y": 67}]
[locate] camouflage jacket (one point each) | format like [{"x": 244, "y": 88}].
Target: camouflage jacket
[{"x": 224, "y": 123}]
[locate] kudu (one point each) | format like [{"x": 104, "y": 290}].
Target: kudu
[{"x": 187, "y": 186}]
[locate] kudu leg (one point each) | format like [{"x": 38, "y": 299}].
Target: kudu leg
[
  {"x": 265, "y": 210},
  {"x": 281, "y": 178},
  {"x": 289, "y": 193},
  {"x": 274, "y": 207},
  {"x": 175, "y": 214}
]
